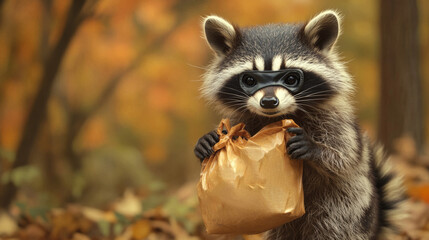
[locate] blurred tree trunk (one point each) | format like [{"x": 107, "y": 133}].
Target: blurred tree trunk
[
  {"x": 401, "y": 97},
  {"x": 1, "y": 9},
  {"x": 37, "y": 111}
]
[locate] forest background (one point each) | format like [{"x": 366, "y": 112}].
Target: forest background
[{"x": 100, "y": 105}]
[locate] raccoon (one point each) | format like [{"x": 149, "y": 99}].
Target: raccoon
[{"x": 263, "y": 74}]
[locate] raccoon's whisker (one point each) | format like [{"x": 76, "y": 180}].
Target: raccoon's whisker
[
  {"x": 308, "y": 106},
  {"x": 236, "y": 102},
  {"x": 238, "y": 91},
  {"x": 313, "y": 95},
  {"x": 236, "y": 105},
  {"x": 324, "y": 91},
  {"x": 299, "y": 95},
  {"x": 308, "y": 109},
  {"x": 303, "y": 110},
  {"x": 243, "y": 112},
  {"x": 195, "y": 66},
  {"x": 312, "y": 98},
  {"x": 233, "y": 111},
  {"x": 305, "y": 103},
  {"x": 308, "y": 89},
  {"x": 240, "y": 110},
  {"x": 233, "y": 94},
  {"x": 327, "y": 93}
]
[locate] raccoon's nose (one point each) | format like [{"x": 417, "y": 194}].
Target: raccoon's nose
[{"x": 269, "y": 102}]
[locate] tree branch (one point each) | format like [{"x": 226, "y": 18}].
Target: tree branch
[
  {"x": 37, "y": 111},
  {"x": 79, "y": 118},
  {"x": 45, "y": 29}
]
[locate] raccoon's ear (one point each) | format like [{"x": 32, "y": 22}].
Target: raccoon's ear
[
  {"x": 220, "y": 34},
  {"x": 322, "y": 31}
]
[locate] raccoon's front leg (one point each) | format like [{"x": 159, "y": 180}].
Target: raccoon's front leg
[
  {"x": 301, "y": 146},
  {"x": 204, "y": 147},
  {"x": 339, "y": 158}
]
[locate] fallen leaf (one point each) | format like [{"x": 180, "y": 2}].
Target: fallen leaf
[
  {"x": 419, "y": 191},
  {"x": 129, "y": 205},
  {"x": 179, "y": 232},
  {"x": 141, "y": 229},
  {"x": 126, "y": 235},
  {"x": 32, "y": 232},
  {"x": 93, "y": 214},
  {"x": 66, "y": 222},
  {"x": 79, "y": 236},
  {"x": 7, "y": 224}
]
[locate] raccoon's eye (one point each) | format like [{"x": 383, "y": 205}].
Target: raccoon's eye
[
  {"x": 291, "y": 79},
  {"x": 249, "y": 81}
]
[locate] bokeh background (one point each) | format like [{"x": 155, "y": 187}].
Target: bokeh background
[{"x": 116, "y": 89}]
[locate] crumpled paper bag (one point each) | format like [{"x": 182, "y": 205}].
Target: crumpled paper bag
[{"x": 250, "y": 185}]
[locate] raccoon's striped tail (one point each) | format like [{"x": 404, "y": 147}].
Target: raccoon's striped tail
[{"x": 392, "y": 195}]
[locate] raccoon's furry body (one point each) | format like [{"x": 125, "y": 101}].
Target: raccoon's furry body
[{"x": 349, "y": 191}]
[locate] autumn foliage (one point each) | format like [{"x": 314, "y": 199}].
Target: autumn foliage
[{"x": 112, "y": 155}]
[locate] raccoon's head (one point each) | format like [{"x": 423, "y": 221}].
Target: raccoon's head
[{"x": 274, "y": 70}]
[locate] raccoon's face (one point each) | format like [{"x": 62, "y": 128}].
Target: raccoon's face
[
  {"x": 265, "y": 93},
  {"x": 274, "y": 70}
]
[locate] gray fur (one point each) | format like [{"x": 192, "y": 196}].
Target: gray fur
[{"x": 341, "y": 198}]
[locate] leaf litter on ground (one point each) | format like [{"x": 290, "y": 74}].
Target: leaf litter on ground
[{"x": 157, "y": 217}]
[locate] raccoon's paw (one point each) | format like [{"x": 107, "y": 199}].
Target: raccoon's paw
[
  {"x": 300, "y": 146},
  {"x": 204, "y": 147}
]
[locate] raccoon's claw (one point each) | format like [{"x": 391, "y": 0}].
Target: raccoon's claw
[
  {"x": 300, "y": 146},
  {"x": 204, "y": 147}
]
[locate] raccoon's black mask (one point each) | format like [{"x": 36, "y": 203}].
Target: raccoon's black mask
[{"x": 252, "y": 81}]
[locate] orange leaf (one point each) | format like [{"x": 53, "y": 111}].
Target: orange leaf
[
  {"x": 420, "y": 192},
  {"x": 141, "y": 229}
]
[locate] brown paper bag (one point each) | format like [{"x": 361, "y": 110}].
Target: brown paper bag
[{"x": 250, "y": 185}]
